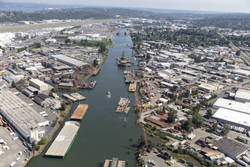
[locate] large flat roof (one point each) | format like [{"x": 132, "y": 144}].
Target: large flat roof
[
  {"x": 63, "y": 141},
  {"x": 232, "y": 116},
  {"x": 232, "y": 105},
  {"x": 17, "y": 111},
  {"x": 231, "y": 147},
  {"x": 243, "y": 94},
  {"x": 69, "y": 60}
]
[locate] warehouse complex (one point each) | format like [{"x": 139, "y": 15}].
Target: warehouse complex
[
  {"x": 39, "y": 84},
  {"x": 64, "y": 140},
  {"x": 20, "y": 115},
  {"x": 68, "y": 60}
]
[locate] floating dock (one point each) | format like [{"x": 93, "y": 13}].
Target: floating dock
[
  {"x": 64, "y": 140},
  {"x": 69, "y": 97},
  {"x": 77, "y": 96},
  {"x": 132, "y": 87},
  {"x": 113, "y": 163},
  {"x": 122, "y": 105},
  {"x": 79, "y": 112}
]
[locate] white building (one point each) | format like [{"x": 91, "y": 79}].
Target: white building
[
  {"x": 242, "y": 95},
  {"x": 39, "y": 84}
]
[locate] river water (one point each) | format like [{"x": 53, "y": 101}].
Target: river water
[{"x": 103, "y": 133}]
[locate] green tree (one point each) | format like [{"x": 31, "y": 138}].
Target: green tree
[
  {"x": 163, "y": 109},
  {"x": 238, "y": 52},
  {"x": 216, "y": 59},
  {"x": 188, "y": 124},
  {"x": 226, "y": 129},
  {"x": 37, "y": 45},
  {"x": 173, "y": 65},
  {"x": 187, "y": 93},
  {"x": 37, "y": 148},
  {"x": 148, "y": 56},
  {"x": 67, "y": 40},
  {"x": 172, "y": 116},
  {"x": 33, "y": 144},
  {"x": 13, "y": 84},
  {"x": 209, "y": 114},
  {"x": 14, "y": 66},
  {"x": 102, "y": 48},
  {"x": 141, "y": 75},
  {"x": 215, "y": 126},
  {"x": 63, "y": 106},
  {"x": 43, "y": 140},
  {"x": 95, "y": 62},
  {"x": 197, "y": 119},
  {"x": 69, "y": 102}
]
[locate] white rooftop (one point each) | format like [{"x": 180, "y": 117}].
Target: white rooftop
[
  {"x": 232, "y": 116},
  {"x": 232, "y": 105},
  {"x": 243, "y": 94}
]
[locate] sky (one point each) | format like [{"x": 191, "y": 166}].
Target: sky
[{"x": 239, "y": 6}]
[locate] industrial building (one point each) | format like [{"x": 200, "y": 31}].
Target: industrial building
[
  {"x": 20, "y": 115},
  {"x": 64, "y": 140},
  {"x": 41, "y": 86},
  {"x": 68, "y": 60},
  {"x": 242, "y": 95},
  {"x": 208, "y": 87},
  {"x": 232, "y": 117},
  {"x": 232, "y": 105},
  {"x": 231, "y": 148}
]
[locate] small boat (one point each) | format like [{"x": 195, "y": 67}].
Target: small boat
[{"x": 109, "y": 94}]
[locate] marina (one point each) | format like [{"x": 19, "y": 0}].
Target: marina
[
  {"x": 64, "y": 140},
  {"x": 122, "y": 106},
  {"x": 79, "y": 112}
]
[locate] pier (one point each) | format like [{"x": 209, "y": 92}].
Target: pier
[
  {"x": 132, "y": 87},
  {"x": 77, "y": 96},
  {"x": 79, "y": 112},
  {"x": 69, "y": 97}
]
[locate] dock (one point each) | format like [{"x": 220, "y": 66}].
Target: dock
[
  {"x": 132, "y": 87},
  {"x": 77, "y": 96},
  {"x": 113, "y": 163},
  {"x": 79, "y": 112},
  {"x": 69, "y": 97},
  {"x": 64, "y": 140}
]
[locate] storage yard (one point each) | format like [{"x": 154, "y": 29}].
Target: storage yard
[
  {"x": 64, "y": 140},
  {"x": 79, "y": 112}
]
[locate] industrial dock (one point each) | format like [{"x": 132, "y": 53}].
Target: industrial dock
[
  {"x": 79, "y": 112},
  {"x": 64, "y": 140},
  {"x": 123, "y": 105},
  {"x": 74, "y": 97},
  {"x": 113, "y": 163},
  {"x": 89, "y": 85},
  {"x": 132, "y": 87}
]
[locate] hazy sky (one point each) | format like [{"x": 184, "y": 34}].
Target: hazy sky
[{"x": 242, "y": 6}]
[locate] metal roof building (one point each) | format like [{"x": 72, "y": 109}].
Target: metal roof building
[
  {"x": 231, "y": 148},
  {"x": 68, "y": 60},
  {"x": 232, "y": 117},
  {"x": 39, "y": 84},
  {"x": 242, "y": 95},
  {"x": 232, "y": 105},
  {"x": 64, "y": 140},
  {"x": 19, "y": 114}
]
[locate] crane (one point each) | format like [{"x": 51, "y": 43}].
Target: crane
[{"x": 146, "y": 142}]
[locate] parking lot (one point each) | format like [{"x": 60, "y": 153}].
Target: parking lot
[{"x": 15, "y": 146}]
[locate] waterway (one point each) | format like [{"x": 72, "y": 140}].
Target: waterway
[{"x": 103, "y": 133}]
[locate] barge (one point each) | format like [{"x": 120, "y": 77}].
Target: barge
[
  {"x": 122, "y": 106},
  {"x": 61, "y": 145},
  {"x": 79, "y": 112},
  {"x": 89, "y": 85}
]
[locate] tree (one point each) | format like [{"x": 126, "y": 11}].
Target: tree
[
  {"x": 238, "y": 52},
  {"x": 37, "y": 45},
  {"x": 198, "y": 120},
  {"x": 188, "y": 124},
  {"x": 163, "y": 109},
  {"x": 33, "y": 144},
  {"x": 173, "y": 65},
  {"x": 95, "y": 62},
  {"x": 37, "y": 148},
  {"x": 226, "y": 129},
  {"x": 172, "y": 116},
  {"x": 13, "y": 84},
  {"x": 222, "y": 59},
  {"x": 209, "y": 114},
  {"x": 67, "y": 40},
  {"x": 14, "y": 66},
  {"x": 216, "y": 59},
  {"x": 63, "y": 106},
  {"x": 215, "y": 126},
  {"x": 102, "y": 48},
  {"x": 43, "y": 140},
  {"x": 69, "y": 102},
  {"x": 188, "y": 93},
  {"x": 148, "y": 56}
]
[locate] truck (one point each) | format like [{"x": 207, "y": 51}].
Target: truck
[
  {"x": 45, "y": 115},
  {"x": 43, "y": 112}
]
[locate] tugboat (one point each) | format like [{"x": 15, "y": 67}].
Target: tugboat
[{"x": 109, "y": 94}]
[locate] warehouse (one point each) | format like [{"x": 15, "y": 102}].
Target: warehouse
[
  {"x": 208, "y": 87},
  {"x": 242, "y": 95},
  {"x": 232, "y": 105},
  {"x": 232, "y": 117},
  {"x": 231, "y": 148},
  {"x": 241, "y": 72},
  {"x": 19, "y": 114},
  {"x": 68, "y": 60},
  {"x": 39, "y": 84}
]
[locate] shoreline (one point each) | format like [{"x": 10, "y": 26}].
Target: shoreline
[{"x": 67, "y": 110}]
